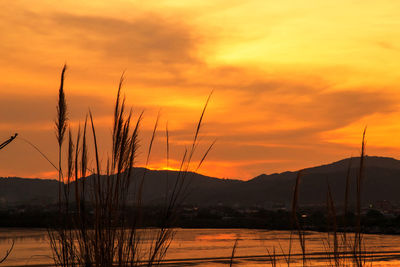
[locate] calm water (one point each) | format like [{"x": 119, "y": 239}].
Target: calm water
[{"x": 210, "y": 247}]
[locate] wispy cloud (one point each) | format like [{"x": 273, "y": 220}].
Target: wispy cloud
[{"x": 281, "y": 80}]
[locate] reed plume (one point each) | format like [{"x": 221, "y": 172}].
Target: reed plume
[
  {"x": 61, "y": 121},
  {"x": 61, "y": 126}
]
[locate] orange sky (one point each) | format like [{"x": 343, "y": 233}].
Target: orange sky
[{"x": 295, "y": 82}]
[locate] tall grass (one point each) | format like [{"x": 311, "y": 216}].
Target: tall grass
[
  {"x": 61, "y": 126},
  {"x": 296, "y": 224},
  {"x": 8, "y": 141},
  {"x": 3, "y": 145},
  {"x": 8, "y": 252},
  {"x": 101, "y": 215},
  {"x": 358, "y": 237},
  {"x": 341, "y": 249}
]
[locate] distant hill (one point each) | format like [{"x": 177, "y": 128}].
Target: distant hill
[
  {"x": 15, "y": 190},
  {"x": 382, "y": 182}
]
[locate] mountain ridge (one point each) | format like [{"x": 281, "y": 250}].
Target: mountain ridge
[{"x": 381, "y": 183}]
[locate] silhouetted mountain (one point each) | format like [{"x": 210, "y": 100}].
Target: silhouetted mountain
[
  {"x": 27, "y": 190},
  {"x": 381, "y": 182}
]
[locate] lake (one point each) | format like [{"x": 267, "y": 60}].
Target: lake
[{"x": 212, "y": 247}]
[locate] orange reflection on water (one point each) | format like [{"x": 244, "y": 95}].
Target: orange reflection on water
[{"x": 217, "y": 237}]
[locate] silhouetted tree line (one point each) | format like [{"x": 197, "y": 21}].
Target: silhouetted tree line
[{"x": 221, "y": 217}]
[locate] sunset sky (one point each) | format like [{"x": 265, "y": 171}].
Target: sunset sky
[{"x": 294, "y": 82}]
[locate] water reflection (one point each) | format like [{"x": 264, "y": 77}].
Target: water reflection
[{"x": 210, "y": 247}]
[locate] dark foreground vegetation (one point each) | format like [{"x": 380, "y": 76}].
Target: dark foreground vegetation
[{"x": 98, "y": 219}]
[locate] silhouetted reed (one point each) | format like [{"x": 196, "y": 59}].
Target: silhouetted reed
[
  {"x": 233, "y": 252},
  {"x": 102, "y": 228},
  {"x": 8, "y": 141},
  {"x": 341, "y": 249},
  {"x": 3, "y": 145},
  {"x": 61, "y": 126},
  {"x": 8, "y": 252}
]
